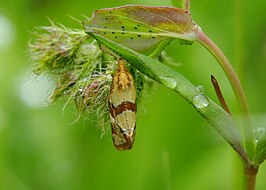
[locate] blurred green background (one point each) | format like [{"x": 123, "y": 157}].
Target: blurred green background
[{"x": 175, "y": 148}]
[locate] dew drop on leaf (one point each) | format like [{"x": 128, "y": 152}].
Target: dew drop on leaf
[
  {"x": 200, "y": 101},
  {"x": 170, "y": 82},
  {"x": 259, "y": 132},
  {"x": 200, "y": 88}
]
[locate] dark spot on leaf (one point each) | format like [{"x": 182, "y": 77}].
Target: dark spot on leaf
[
  {"x": 136, "y": 27},
  {"x": 150, "y": 30},
  {"x": 122, "y": 27},
  {"x": 110, "y": 11},
  {"x": 115, "y": 36},
  {"x": 131, "y": 38},
  {"x": 139, "y": 35},
  {"x": 153, "y": 36},
  {"x": 104, "y": 32},
  {"x": 113, "y": 32},
  {"x": 106, "y": 18},
  {"x": 122, "y": 33},
  {"x": 186, "y": 12}
]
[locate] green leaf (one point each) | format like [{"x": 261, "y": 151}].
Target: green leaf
[
  {"x": 145, "y": 29},
  {"x": 260, "y": 140},
  {"x": 214, "y": 114}
]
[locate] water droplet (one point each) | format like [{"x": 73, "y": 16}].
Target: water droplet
[
  {"x": 259, "y": 132},
  {"x": 200, "y": 101},
  {"x": 170, "y": 82},
  {"x": 201, "y": 89}
]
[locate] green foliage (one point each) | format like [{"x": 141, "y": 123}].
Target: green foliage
[{"x": 260, "y": 141}]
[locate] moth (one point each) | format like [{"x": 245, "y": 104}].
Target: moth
[{"x": 122, "y": 104}]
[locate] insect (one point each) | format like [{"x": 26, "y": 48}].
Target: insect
[{"x": 122, "y": 103}]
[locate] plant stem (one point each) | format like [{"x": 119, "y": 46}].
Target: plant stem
[
  {"x": 236, "y": 85},
  {"x": 250, "y": 177}
]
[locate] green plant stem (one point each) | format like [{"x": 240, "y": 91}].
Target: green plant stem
[
  {"x": 236, "y": 85},
  {"x": 250, "y": 171},
  {"x": 250, "y": 177}
]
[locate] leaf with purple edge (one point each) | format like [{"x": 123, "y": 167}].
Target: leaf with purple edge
[{"x": 145, "y": 29}]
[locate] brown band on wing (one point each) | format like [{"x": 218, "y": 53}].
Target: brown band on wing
[
  {"x": 129, "y": 140},
  {"x": 126, "y": 146},
  {"x": 122, "y": 107}
]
